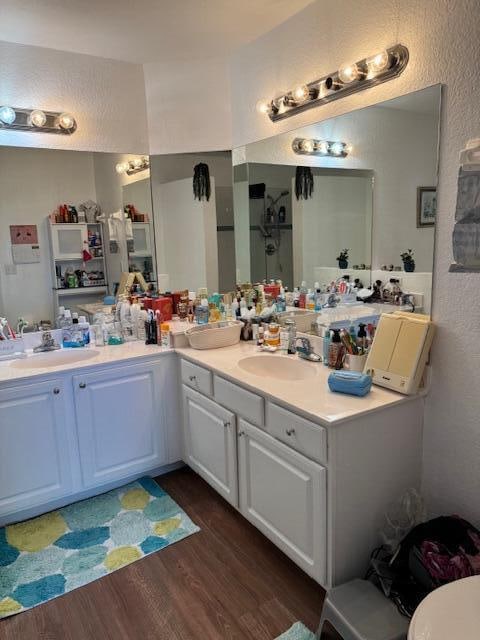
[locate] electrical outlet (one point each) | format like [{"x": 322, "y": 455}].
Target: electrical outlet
[{"x": 10, "y": 269}]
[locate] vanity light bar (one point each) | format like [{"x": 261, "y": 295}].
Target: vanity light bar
[
  {"x": 312, "y": 147},
  {"x": 351, "y": 78},
  {"x": 36, "y": 120},
  {"x": 133, "y": 166}
]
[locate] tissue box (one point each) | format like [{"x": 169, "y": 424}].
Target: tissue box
[{"x": 350, "y": 382}]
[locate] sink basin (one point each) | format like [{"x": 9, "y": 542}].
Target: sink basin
[
  {"x": 279, "y": 367},
  {"x": 53, "y": 359}
]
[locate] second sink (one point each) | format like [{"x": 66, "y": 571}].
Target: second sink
[
  {"x": 278, "y": 367},
  {"x": 54, "y": 358}
]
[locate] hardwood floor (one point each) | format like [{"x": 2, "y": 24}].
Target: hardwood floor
[{"x": 226, "y": 582}]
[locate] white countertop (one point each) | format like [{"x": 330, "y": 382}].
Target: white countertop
[
  {"x": 106, "y": 355},
  {"x": 312, "y": 396}
]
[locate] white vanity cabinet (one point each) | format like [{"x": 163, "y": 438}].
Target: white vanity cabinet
[
  {"x": 34, "y": 445},
  {"x": 121, "y": 429},
  {"x": 210, "y": 443},
  {"x": 72, "y": 435},
  {"x": 284, "y": 495},
  {"x": 319, "y": 490}
]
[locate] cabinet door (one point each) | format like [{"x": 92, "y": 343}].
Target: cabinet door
[
  {"x": 284, "y": 495},
  {"x": 141, "y": 239},
  {"x": 120, "y": 422},
  {"x": 210, "y": 443},
  {"x": 34, "y": 449},
  {"x": 69, "y": 241}
]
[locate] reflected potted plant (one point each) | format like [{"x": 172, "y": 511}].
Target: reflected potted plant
[
  {"x": 343, "y": 259},
  {"x": 408, "y": 261}
]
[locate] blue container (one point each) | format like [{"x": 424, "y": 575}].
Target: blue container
[{"x": 352, "y": 383}]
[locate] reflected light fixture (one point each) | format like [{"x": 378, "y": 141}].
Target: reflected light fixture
[
  {"x": 313, "y": 147},
  {"x": 36, "y": 120},
  {"x": 350, "y": 78},
  {"x": 7, "y": 115},
  {"x": 140, "y": 163}
]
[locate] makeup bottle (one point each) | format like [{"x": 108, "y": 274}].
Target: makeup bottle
[
  {"x": 202, "y": 312},
  {"x": 336, "y": 351}
]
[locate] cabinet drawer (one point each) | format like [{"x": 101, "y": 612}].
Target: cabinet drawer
[
  {"x": 197, "y": 377},
  {"x": 302, "y": 435},
  {"x": 245, "y": 403}
]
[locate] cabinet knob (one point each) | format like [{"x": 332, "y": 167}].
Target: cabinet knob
[
  {"x": 56, "y": 391},
  {"x": 241, "y": 433},
  {"x": 192, "y": 378},
  {"x": 290, "y": 432},
  {"x": 226, "y": 424},
  {"x": 82, "y": 385}
]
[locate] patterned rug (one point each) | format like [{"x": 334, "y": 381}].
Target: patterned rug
[
  {"x": 298, "y": 631},
  {"x": 48, "y": 556}
]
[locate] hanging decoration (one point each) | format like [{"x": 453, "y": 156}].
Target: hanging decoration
[
  {"x": 201, "y": 182},
  {"x": 303, "y": 183}
]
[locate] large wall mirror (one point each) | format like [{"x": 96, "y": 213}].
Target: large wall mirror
[
  {"x": 194, "y": 235},
  {"x": 296, "y": 213},
  {"x": 52, "y": 255}
]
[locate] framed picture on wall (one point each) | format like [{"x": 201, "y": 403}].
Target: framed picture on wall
[{"x": 426, "y": 206}]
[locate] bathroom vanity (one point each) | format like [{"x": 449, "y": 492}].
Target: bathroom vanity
[
  {"x": 313, "y": 470},
  {"x": 73, "y": 430}
]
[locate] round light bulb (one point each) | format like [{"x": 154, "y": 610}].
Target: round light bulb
[
  {"x": 323, "y": 147},
  {"x": 348, "y": 73},
  {"x": 122, "y": 167},
  {"x": 348, "y": 148},
  {"x": 337, "y": 148},
  {"x": 301, "y": 93},
  {"x": 7, "y": 115},
  {"x": 307, "y": 145},
  {"x": 66, "y": 121},
  {"x": 137, "y": 163},
  {"x": 377, "y": 63},
  {"x": 37, "y": 118},
  {"x": 263, "y": 106}
]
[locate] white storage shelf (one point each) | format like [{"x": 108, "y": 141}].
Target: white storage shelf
[{"x": 67, "y": 242}]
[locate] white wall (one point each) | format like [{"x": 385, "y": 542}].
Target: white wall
[
  {"x": 186, "y": 236},
  {"x": 33, "y": 182},
  {"x": 188, "y": 105},
  {"x": 337, "y": 216},
  {"x": 443, "y": 41},
  {"x": 107, "y": 98}
]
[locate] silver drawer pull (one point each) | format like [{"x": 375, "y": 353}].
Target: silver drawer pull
[
  {"x": 192, "y": 378},
  {"x": 290, "y": 432},
  {"x": 241, "y": 433},
  {"x": 226, "y": 424}
]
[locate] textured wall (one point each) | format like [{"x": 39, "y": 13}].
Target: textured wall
[
  {"x": 107, "y": 98},
  {"x": 188, "y": 106},
  {"x": 444, "y": 47}
]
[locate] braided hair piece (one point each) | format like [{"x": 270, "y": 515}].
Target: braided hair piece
[
  {"x": 201, "y": 182},
  {"x": 303, "y": 183}
]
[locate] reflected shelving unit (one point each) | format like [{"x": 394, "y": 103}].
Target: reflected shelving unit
[{"x": 68, "y": 241}]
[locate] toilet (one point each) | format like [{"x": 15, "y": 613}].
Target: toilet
[{"x": 450, "y": 612}]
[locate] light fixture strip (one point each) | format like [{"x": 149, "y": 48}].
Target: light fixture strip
[
  {"x": 332, "y": 87},
  {"x": 134, "y": 169},
  {"x": 22, "y": 122},
  {"x": 325, "y": 148}
]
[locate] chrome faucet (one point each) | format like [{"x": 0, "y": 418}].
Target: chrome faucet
[
  {"x": 48, "y": 343},
  {"x": 305, "y": 350}
]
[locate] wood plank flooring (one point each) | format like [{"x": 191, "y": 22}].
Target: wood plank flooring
[{"x": 227, "y": 582}]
